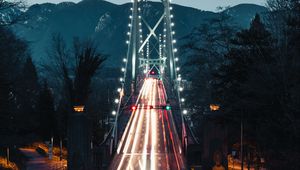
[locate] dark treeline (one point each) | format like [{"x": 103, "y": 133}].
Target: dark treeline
[
  {"x": 19, "y": 85},
  {"x": 36, "y": 101},
  {"x": 27, "y": 104},
  {"x": 253, "y": 75}
]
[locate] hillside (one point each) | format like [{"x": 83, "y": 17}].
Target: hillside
[{"x": 107, "y": 22}]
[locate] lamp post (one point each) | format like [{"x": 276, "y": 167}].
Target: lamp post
[
  {"x": 242, "y": 133},
  {"x": 7, "y": 155}
]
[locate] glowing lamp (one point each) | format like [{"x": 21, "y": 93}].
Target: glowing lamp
[
  {"x": 214, "y": 107},
  {"x": 78, "y": 108},
  {"x": 185, "y": 112}
]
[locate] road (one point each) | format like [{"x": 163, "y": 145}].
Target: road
[{"x": 150, "y": 140}]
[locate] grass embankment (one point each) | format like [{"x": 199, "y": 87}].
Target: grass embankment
[
  {"x": 4, "y": 165},
  {"x": 17, "y": 159}
]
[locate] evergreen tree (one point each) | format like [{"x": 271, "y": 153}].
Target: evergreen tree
[
  {"x": 251, "y": 52},
  {"x": 257, "y": 85},
  {"x": 47, "y": 116},
  {"x": 12, "y": 52},
  {"x": 27, "y": 93},
  {"x": 204, "y": 52}
]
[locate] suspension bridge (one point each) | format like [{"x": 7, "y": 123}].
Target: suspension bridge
[{"x": 156, "y": 134}]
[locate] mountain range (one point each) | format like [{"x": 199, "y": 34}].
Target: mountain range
[{"x": 107, "y": 24}]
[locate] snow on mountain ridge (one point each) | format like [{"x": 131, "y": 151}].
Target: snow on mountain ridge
[
  {"x": 106, "y": 22},
  {"x": 103, "y": 21}
]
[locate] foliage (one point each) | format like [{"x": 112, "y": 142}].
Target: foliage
[
  {"x": 256, "y": 81},
  {"x": 204, "y": 52},
  {"x": 73, "y": 71},
  {"x": 12, "y": 54},
  {"x": 9, "y": 166},
  {"x": 257, "y": 84},
  {"x": 47, "y": 115},
  {"x": 27, "y": 89}
]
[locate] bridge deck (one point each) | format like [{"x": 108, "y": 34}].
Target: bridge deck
[{"x": 150, "y": 140}]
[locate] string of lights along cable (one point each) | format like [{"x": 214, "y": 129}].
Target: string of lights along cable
[{"x": 150, "y": 88}]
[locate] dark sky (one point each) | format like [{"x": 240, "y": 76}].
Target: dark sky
[{"x": 208, "y": 5}]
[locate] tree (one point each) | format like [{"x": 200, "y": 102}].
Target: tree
[
  {"x": 257, "y": 85},
  {"x": 204, "y": 51},
  {"x": 235, "y": 85},
  {"x": 12, "y": 54},
  {"x": 75, "y": 78},
  {"x": 27, "y": 94},
  {"x": 47, "y": 117},
  {"x": 78, "y": 90},
  {"x": 287, "y": 74}
]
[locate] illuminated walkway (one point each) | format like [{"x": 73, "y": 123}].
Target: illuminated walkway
[{"x": 38, "y": 162}]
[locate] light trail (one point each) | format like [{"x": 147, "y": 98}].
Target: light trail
[
  {"x": 136, "y": 137},
  {"x": 145, "y": 151},
  {"x": 163, "y": 101},
  {"x": 153, "y": 130},
  {"x": 127, "y": 142},
  {"x": 150, "y": 140},
  {"x": 130, "y": 120}
]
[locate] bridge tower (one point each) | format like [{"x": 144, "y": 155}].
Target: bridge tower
[{"x": 150, "y": 44}]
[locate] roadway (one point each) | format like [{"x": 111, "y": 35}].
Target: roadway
[{"x": 150, "y": 140}]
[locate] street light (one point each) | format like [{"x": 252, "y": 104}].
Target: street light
[{"x": 185, "y": 112}]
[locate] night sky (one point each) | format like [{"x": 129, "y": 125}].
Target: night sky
[{"x": 208, "y": 5}]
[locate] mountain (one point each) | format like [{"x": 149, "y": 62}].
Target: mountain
[
  {"x": 107, "y": 24},
  {"x": 243, "y": 13}
]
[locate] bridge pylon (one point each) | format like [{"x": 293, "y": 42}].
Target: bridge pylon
[{"x": 151, "y": 44}]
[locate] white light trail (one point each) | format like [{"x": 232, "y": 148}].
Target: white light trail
[
  {"x": 130, "y": 135},
  {"x": 153, "y": 131},
  {"x": 128, "y": 125},
  {"x": 136, "y": 135}
]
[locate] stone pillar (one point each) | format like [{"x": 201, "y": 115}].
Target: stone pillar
[{"x": 79, "y": 151}]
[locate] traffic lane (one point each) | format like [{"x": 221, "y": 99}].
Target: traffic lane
[
  {"x": 158, "y": 153},
  {"x": 173, "y": 142},
  {"x": 133, "y": 148}
]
